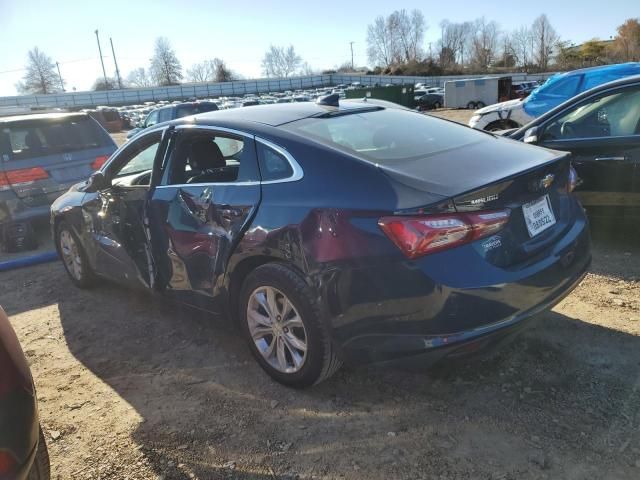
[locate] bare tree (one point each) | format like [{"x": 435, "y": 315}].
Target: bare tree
[
  {"x": 545, "y": 38},
  {"x": 280, "y": 61},
  {"x": 306, "y": 69},
  {"x": 408, "y": 28},
  {"x": 453, "y": 42},
  {"x": 397, "y": 38},
  {"x": 41, "y": 75},
  {"x": 139, "y": 78},
  {"x": 201, "y": 72},
  {"x": 221, "y": 72},
  {"x": 381, "y": 42},
  {"x": 484, "y": 43},
  {"x": 100, "y": 84},
  {"x": 165, "y": 66},
  {"x": 521, "y": 42}
]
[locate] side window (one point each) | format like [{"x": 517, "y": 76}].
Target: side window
[
  {"x": 609, "y": 115},
  {"x": 164, "y": 115},
  {"x": 203, "y": 156},
  {"x": 133, "y": 164},
  {"x": 273, "y": 165},
  {"x": 152, "y": 119}
]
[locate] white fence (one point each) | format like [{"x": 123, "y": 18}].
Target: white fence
[{"x": 131, "y": 96}]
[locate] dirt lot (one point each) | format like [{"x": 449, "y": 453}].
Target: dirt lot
[{"x": 131, "y": 387}]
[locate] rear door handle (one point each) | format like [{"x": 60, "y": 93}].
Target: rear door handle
[{"x": 611, "y": 159}]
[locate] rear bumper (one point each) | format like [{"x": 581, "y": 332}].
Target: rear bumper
[
  {"x": 448, "y": 304},
  {"x": 418, "y": 351}
]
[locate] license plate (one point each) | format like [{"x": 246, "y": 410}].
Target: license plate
[{"x": 538, "y": 215}]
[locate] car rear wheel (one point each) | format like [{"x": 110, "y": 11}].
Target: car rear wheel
[
  {"x": 283, "y": 327},
  {"x": 40, "y": 470},
  {"x": 73, "y": 257},
  {"x": 471, "y": 106},
  {"x": 436, "y": 105}
]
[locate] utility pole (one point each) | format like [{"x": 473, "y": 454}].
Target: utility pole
[
  {"x": 116, "y": 62},
  {"x": 104, "y": 72},
  {"x": 352, "y": 66},
  {"x": 60, "y": 76}
]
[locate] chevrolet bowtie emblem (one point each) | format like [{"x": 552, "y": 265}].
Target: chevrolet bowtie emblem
[{"x": 542, "y": 184}]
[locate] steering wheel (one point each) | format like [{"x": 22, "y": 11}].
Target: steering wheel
[{"x": 567, "y": 129}]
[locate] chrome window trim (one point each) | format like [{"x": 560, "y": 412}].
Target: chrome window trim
[{"x": 295, "y": 166}]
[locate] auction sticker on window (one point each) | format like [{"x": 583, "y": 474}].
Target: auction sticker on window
[{"x": 538, "y": 215}]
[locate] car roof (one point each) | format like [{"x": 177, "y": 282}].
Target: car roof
[
  {"x": 40, "y": 116},
  {"x": 276, "y": 114}
]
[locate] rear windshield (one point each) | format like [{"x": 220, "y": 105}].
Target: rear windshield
[
  {"x": 36, "y": 138},
  {"x": 387, "y": 136},
  {"x": 185, "y": 110}
]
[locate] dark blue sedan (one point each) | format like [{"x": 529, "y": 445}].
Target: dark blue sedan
[{"x": 355, "y": 232}]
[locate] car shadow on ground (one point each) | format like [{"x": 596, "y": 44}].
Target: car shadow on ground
[
  {"x": 209, "y": 411},
  {"x": 561, "y": 400}
]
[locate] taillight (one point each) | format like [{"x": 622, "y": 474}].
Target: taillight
[
  {"x": 99, "y": 161},
  {"x": 422, "y": 235},
  {"x": 22, "y": 176},
  {"x": 573, "y": 180}
]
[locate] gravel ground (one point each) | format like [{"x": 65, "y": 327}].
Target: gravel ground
[{"x": 131, "y": 387}]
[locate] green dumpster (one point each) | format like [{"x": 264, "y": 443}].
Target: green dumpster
[{"x": 400, "y": 94}]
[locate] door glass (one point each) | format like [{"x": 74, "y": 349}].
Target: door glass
[
  {"x": 133, "y": 166},
  {"x": 164, "y": 115},
  {"x": 207, "y": 157},
  {"x": 610, "y": 115},
  {"x": 152, "y": 119}
]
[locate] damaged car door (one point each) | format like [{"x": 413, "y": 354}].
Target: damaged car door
[{"x": 207, "y": 196}]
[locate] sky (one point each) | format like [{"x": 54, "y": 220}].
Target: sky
[{"x": 239, "y": 32}]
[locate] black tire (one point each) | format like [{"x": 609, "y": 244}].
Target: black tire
[
  {"x": 40, "y": 470},
  {"x": 321, "y": 360},
  {"x": 471, "y": 106},
  {"x": 86, "y": 277},
  {"x": 436, "y": 105},
  {"x": 18, "y": 237},
  {"x": 480, "y": 105}
]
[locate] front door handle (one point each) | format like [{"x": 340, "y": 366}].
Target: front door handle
[{"x": 611, "y": 159}]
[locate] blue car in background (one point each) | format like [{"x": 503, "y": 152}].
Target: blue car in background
[
  {"x": 41, "y": 156},
  {"x": 556, "y": 90}
]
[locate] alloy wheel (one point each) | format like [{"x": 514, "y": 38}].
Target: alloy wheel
[
  {"x": 277, "y": 329},
  {"x": 71, "y": 254}
]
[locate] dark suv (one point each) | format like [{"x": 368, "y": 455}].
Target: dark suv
[
  {"x": 171, "y": 112},
  {"x": 41, "y": 156}
]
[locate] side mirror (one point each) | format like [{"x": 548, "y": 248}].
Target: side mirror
[
  {"x": 97, "y": 181},
  {"x": 531, "y": 135}
]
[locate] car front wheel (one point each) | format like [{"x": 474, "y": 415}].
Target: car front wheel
[
  {"x": 283, "y": 327},
  {"x": 73, "y": 256}
]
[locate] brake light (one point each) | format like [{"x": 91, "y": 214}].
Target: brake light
[
  {"x": 99, "y": 161},
  {"x": 574, "y": 180},
  {"x": 22, "y": 176},
  {"x": 422, "y": 235}
]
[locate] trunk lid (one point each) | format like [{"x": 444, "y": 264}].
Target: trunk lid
[{"x": 499, "y": 174}]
